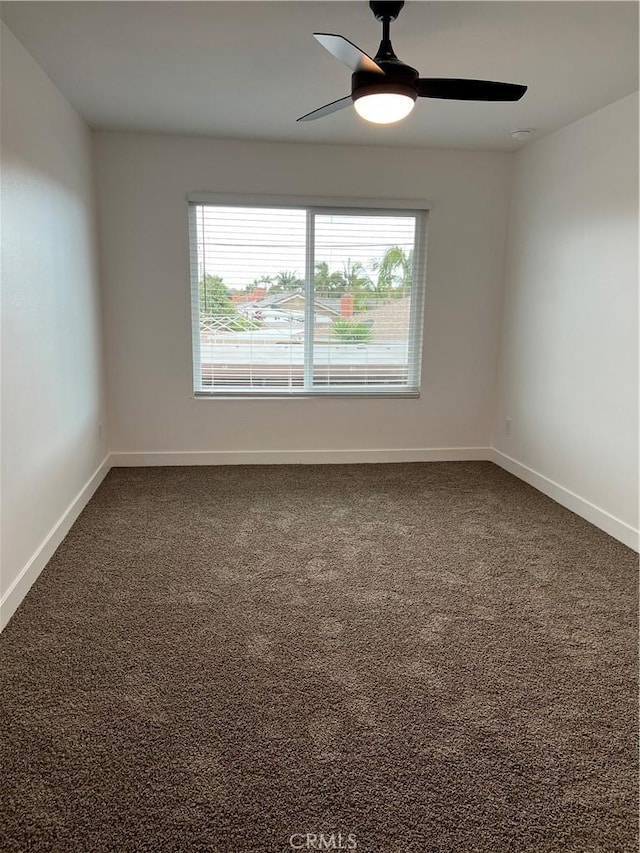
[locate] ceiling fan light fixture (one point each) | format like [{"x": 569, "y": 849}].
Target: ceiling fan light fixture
[
  {"x": 384, "y": 89},
  {"x": 384, "y": 107}
]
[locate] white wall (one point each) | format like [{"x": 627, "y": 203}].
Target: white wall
[
  {"x": 568, "y": 374},
  {"x": 52, "y": 383},
  {"x": 142, "y": 182}
]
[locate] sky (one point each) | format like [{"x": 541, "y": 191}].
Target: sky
[{"x": 241, "y": 244}]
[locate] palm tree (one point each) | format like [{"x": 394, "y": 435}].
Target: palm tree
[
  {"x": 262, "y": 281},
  {"x": 355, "y": 276},
  {"x": 395, "y": 269},
  {"x": 286, "y": 280}
]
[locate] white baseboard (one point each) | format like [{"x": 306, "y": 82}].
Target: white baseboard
[
  {"x": 298, "y": 457},
  {"x": 29, "y": 574},
  {"x": 620, "y": 530}
]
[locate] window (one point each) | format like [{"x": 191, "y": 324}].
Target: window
[{"x": 296, "y": 299}]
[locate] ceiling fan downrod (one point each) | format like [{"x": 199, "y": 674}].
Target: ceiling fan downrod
[{"x": 386, "y": 12}]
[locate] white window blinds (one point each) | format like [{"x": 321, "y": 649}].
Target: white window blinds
[{"x": 302, "y": 300}]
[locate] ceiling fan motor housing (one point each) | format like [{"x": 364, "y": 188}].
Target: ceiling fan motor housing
[{"x": 398, "y": 79}]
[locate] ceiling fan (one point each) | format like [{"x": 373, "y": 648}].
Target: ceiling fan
[{"x": 384, "y": 89}]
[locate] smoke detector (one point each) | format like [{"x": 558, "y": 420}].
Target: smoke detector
[{"x": 520, "y": 135}]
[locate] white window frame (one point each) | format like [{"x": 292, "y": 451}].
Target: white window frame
[{"x": 317, "y": 206}]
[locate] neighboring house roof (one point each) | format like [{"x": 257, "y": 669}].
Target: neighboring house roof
[
  {"x": 389, "y": 319},
  {"x": 280, "y": 299}
]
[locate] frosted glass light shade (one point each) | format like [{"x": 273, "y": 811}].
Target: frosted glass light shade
[{"x": 384, "y": 108}]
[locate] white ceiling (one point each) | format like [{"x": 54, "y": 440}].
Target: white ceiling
[{"x": 247, "y": 70}]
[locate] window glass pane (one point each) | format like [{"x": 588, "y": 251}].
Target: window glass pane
[
  {"x": 362, "y": 306},
  {"x": 306, "y": 300},
  {"x": 251, "y": 264}
]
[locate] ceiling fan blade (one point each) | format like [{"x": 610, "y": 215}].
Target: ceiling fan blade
[
  {"x": 468, "y": 90},
  {"x": 333, "y": 107},
  {"x": 349, "y": 53}
]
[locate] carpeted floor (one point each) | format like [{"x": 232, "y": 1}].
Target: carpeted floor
[{"x": 422, "y": 658}]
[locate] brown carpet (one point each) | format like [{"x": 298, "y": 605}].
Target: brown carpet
[{"x": 433, "y": 658}]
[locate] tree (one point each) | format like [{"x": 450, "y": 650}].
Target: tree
[
  {"x": 214, "y": 297},
  {"x": 355, "y": 276},
  {"x": 328, "y": 283},
  {"x": 322, "y": 277},
  {"x": 286, "y": 280},
  {"x": 395, "y": 269},
  {"x": 265, "y": 281}
]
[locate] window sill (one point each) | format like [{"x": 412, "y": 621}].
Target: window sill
[{"x": 307, "y": 395}]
